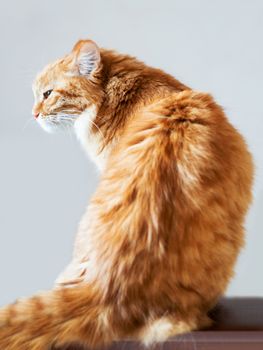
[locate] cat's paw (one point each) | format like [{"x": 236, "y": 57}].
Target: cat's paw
[{"x": 163, "y": 328}]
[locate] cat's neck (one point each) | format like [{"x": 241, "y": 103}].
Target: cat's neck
[
  {"x": 128, "y": 85},
  {"x": 91, "y": 141}
]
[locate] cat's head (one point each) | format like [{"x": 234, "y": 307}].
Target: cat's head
[{"x": 67, "y": 87}]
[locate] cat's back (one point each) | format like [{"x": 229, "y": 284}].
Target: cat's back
[{"x": 208, "y": 152}]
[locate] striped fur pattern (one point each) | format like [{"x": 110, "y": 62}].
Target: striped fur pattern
[{"x": 158, "y": 242}]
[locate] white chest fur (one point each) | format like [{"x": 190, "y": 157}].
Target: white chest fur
[{"x": 90, "y": 141}]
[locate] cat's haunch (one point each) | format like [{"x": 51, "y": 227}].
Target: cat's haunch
[{"x": 157, "y": 245}]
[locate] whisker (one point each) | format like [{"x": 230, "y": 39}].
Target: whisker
[
  {"x": 66, "y": 118},
  {"x": 27, "y": 123},
  {"x": 102, "y": 136},
  {"x": 69, "y": 131}
]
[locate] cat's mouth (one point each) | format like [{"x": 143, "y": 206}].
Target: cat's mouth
[{"x": 57, "y": 122}]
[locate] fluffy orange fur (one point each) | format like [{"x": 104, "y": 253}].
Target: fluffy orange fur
[{"x": 157, "y": 245}]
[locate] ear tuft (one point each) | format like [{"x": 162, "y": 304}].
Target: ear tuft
[{"x": 87, "y": 57}]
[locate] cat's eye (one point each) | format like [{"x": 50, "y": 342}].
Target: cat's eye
[{"x": 47, "y": 93}]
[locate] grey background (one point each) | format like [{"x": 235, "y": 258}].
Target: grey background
[{"x": 46, "y": 180}]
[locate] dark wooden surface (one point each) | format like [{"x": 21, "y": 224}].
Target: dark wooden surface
[{"x": 238, "y": 326}]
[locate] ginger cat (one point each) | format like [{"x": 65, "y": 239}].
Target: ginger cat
[{"x": 157, "y": 245}]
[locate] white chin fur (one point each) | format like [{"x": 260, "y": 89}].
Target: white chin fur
[{"x": 54, "y": 124}]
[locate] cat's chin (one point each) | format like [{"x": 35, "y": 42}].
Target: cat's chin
[{"x": 53, "y": 127}]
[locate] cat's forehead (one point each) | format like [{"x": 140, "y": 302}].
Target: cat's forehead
[{"x": 49, "y": 75}]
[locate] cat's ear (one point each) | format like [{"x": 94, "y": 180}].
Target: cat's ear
[{"x": 86, "y": 57}]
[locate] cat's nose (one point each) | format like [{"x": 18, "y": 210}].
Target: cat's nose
[{"x": 36, "y": 115}]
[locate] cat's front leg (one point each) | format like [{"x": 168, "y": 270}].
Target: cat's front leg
[{"x": 76, "y": 271}]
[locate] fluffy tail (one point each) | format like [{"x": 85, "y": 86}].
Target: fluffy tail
[{"x": 56, "y": 317}]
